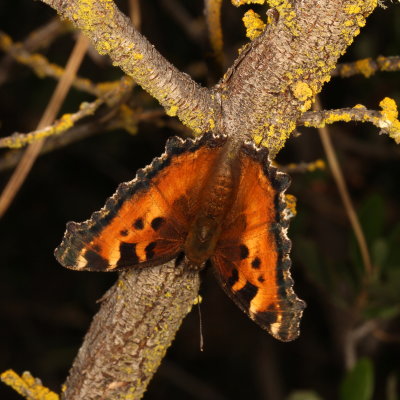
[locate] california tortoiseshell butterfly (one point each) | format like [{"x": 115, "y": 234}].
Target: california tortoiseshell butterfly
[{"x": 213, "y": 199}]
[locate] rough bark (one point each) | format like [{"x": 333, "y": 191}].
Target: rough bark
[
  {"x": 262, "y": 96},
  {"x": 130, "y": 334},
  {"x": 277, "y": 76}
]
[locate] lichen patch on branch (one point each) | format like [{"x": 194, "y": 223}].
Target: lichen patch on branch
[
  {"x": 253, "y": 23},
  {"x": 386, "y": 119},
  {"x": 28, "y": 386},
  {"x": 389, "y": 121}
]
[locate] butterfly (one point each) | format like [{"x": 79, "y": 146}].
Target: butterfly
[{"x": 209, "y": 199}]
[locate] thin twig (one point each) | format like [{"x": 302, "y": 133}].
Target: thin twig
[
  {"x": 386, "y": 119},
  {"x": 42, "y": 67},
  {"x": 134, "y": 8},
  {"x": 352, "y": 339},
  {"x": 344, "y": 194},
  {"x": 113, "y": 98},
  {"x": 39, "y": 38},
  {"x": 213, "y": 20},
  {"x": 29, "y": 157},
  {"x": 367, "y": 67},
  {"x": 64, "y": 123},
  {"x": 28, "y": 386},
  {"x": 303, "y": 167}
]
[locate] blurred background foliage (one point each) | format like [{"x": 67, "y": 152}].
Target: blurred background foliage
[{"x": 349, "y": 348}]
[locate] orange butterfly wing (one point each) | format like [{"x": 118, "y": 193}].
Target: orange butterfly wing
[
  {"x": 147, "y": 220},
  {"x": 251, "y": 258}
]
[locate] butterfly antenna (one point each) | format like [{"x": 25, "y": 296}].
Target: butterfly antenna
[{"x": 200, "y": 327}]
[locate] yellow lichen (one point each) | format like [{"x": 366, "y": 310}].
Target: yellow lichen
[
  {"x": 287, "y": 12},
  {"x": 238, "y": 3},
  {"x": 317, "y": 164},
  {"x": 198, "y": 300},
  {"x": 5, "y": 41},
  {"x": 302, "y": 90},
  {"x": 257, "y": 139},
  {"x": 352, "y": 9},
  {"x": 364, "y": 67},
  {"x": 332, "y": 117},
  {"x": 128, "y": 119},
  {"x": 389, "y": 120},
  {"x": 104, "y": 87},
  {"x": 171, "y": 111},
  {"x": 28, "y": 386},
  {"x": 137, "y": 56},
  {"x": 389, "y": 109},
  {"x": 384, "y": 63},
  {"x": 305, "y": 106},
  {"x": 253, "y": 23}
]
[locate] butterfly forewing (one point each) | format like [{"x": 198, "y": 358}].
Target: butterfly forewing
[{"x": 146, "y": 221}]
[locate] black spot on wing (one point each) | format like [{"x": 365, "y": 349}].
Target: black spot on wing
[
  {"x": 244, "y": 252},
  {"x": 261, "y": 279},
  {"x": 128, "y": 256},
  {"x": 149, "y": 250},
  {"x": 233, "y": 278},
  {"x": 247, "y": 293},
  {"x": 124, "y": 232},
  {"x": 138, "y": 224},
  {"x": 256, "y": 263},
  {"x": 157, "y": 222},
  {"x": 95, "y": 261}
]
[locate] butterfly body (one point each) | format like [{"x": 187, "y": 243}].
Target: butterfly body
[
  {"x": 217, "y": 196},
  {"x": 212, "y": 199}
]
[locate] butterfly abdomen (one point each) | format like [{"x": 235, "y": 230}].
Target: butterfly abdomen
[{"x": 216, "y": 198}]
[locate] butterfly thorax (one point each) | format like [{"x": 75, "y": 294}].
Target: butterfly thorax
[{"x": 217, "y": 197}]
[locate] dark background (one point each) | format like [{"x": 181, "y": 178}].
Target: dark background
[{"x": 45, "y": 309}]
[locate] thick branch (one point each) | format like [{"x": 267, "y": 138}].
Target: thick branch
[
  {"x": 278, "y": 75},
  {"x": 113, "y": 34},
  {"x": 131, "y": 333}
]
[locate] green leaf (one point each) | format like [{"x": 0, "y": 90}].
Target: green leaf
[{"x": 358, "y": 384}]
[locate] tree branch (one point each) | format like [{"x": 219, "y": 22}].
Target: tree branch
[
  {"x": 367, "y": 67},
  {"x": 28, "y": 386},
  {"x": 67, "y": 121},
  {"x": 112, "y": 33},
  {"x": 386, "y": 119},
  {"x": 277, "y": 76},
  {"x": 131, "y": 333}
]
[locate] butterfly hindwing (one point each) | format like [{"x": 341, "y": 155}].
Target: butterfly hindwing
[
  {"x": 251, "y": 259},
  {"x": 146, "y": 221}
]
